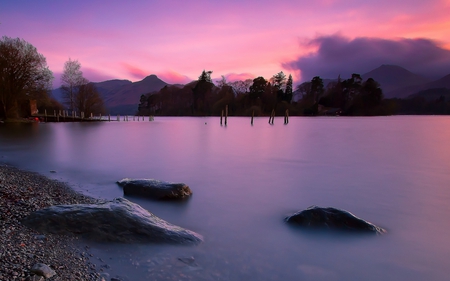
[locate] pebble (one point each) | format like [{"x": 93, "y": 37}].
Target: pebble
[{"x": 21, "y": 248}]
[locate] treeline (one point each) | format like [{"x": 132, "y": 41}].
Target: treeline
[
  {"x": 260, "y": 96},
  {"x": 349, "y": 97},
  {"x": 204, "y": 98},
  {"x": 25, "y": 77}
]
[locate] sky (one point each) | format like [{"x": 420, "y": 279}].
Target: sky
[{"x": 239, "y": 39}]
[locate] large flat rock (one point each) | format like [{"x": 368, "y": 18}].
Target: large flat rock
[
  {"x": 118, "y": 220},
  {"x": 155, "y": 189},
  {"x": 331, "y": 218}
]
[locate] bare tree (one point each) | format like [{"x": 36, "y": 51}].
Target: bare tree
[
  {"x": 79, "y": 93},
  {"x": 23, "y": 72},
  {"x": 88, "y": 100},
  {"x": 71, "y": 81}
]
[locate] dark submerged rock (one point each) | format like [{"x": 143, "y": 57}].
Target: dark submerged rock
[
  {"x": 155, "y": 189},
  {"x": 118, "y": 220},
  {"x": 332, "y": 218}
]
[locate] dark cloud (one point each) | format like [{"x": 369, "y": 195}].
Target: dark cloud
[{"x": 338, "y": 55}]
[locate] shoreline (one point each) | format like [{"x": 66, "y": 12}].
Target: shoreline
[{"x": 23, "y": 192}]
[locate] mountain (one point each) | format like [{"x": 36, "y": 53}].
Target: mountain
[
  {"x": 122, "y": 96},
  {"x": 131, "y": 93},
  {"x": 396, "y": 81},
  {"x": 433, "y": 94},
  {"x": 444, "y": 82},
  {"x": 108, "y": 88}
]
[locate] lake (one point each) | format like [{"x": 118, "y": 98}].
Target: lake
[{"x": 392, "y": 171}]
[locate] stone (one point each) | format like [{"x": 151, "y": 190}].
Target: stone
[
  {"x": 155, "y": 189},
  {"x": 35, "y": 278},
  {"x": 43, "y": 270},
  {"x": 331, "y": 218},
  {"x": 118, "y": 220}
]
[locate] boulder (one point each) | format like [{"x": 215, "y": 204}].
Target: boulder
[
  {"x": 118, "y": 220},
  {"x": 332, "y": 218},
  {"x": 155, "y": 189},
  {"x": 43, "y": 270}
]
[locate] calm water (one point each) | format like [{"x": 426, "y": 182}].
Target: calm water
[{"x": 392, "y": 171}]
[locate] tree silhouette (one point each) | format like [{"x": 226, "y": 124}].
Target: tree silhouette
[
  {"x": 71, "y": 81},
  {"x": 23, "y": 72},
  {"x": 288, "y": 91}
]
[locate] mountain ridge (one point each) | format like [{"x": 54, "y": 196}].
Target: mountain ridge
[{"x": 122, "y": 96}]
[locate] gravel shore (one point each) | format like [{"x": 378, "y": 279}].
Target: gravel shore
[{"x": 20, "y": 247}]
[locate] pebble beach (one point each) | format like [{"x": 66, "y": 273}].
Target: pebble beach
[{"x": 21, "y": 248}]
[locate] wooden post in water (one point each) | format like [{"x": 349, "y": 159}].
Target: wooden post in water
[
  {"x": 226, "y": 114},
  {"x": 118, "y": 117},
  {"x": 253, "y": 115},
  {"x": 100, "y": 117},
  {"x": 221, "y": 117},
  {"x": 272, "y": 116},
  {"x": 286, "y": 116},
  {"x": 45, "y": 114}
]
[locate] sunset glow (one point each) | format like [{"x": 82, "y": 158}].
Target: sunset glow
[{"x": 176, "y": 40}]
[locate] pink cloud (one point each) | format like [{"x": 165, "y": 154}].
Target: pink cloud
[
  {"x": 238, "y": 76},
  {"x": 135, "y": 71},
  {"x": 173, "y": 77}
]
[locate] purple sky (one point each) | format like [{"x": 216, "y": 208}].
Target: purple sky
[{"x": 176, "y": 40}]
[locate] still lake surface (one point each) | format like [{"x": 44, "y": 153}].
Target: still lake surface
[{"x": 392, "y": 171}]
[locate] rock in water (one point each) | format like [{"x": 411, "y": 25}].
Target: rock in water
[
  {"x": 332, "y": 218},
  {"x": 155, "y": 189},
  {"x": 118, "y": 220}
]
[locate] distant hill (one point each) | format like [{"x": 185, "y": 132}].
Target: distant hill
[
  {"x": 122, "y": 96},
  {"x": 108, "y": 88},
  {"x": 433, "y": 94},
  {"x": 120, "y": 100},
  {"x": 396, "y": 81},
  {"x": 444, "y": 82}
]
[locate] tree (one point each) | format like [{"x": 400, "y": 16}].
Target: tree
[
  {"x": 258, "y": 88},
  {"x": 88, "y": 100},
  {"x": 222, "y": 82},
  {"x": 241, "y": 87},
  {"x": 317, "y": 88},
  {"x": 288, "y": 91},
  {"x": 202, "y": 93},
  {"x": 278, "y": 80},
  {"x": 23, "y": 72},
  {"x": 71, "y": 79},
  {"x": 78, "y": 93},
  {"x": 205, "y": 76}
]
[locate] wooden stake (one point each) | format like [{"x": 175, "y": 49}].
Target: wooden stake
[
  {"x": 226, "y": 114},
  {"x": 253, "y": 115}
]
